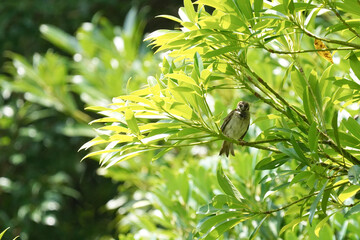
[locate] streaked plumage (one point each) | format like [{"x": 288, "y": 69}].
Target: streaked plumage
[{"x": 235, "y": 126}]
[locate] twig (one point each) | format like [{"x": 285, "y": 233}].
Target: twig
[
  {"x": 327, "y": 40},
  {"x": 301, "y": 199},
  {"x": 334, "y": 10},
  {"x": 306, "y": 51}
]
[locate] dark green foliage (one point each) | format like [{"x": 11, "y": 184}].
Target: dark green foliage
[
  {"x": 45, "y": 191},
  {"x": 20, "y": 20}
]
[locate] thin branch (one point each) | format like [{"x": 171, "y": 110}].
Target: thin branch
[
  {"x": 338, "y": 42},
  {"x": 319, "y": 110},
  {"x": 181, "y": 145},
  {"x": 334, "y": 10},
  {"x": 255, "y": 144},
  {"x": 238, "y": 66},
  {"x": 340, "y": 150},
  {"x": 301, "y": 199},
  {"x": 307, "y": 51},
  {"x": 277, "y": 95}
]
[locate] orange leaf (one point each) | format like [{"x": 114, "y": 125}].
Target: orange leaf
[{"x": 319, "y": 45}]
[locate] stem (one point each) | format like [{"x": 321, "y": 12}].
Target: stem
[
  {"x": 327, "y": 40},
  {"x": 340, "y": 150},
  {"x": 182, "y": 145},
  {"x": 334, "y": 10},
  {"x": 253, "y": 144},
  {"x": 319, "y": 110},
  {"x": 301, "y": 199},
  {"x": 261, "y": 81},
  {"x": 306, "y": 51}
]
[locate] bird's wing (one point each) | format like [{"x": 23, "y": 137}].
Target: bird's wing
[
  {"x": 244, "y": 133},
  {"x": 227, "y": 120}
]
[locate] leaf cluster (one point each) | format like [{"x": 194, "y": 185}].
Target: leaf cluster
[{"x": 306, "y": 133}]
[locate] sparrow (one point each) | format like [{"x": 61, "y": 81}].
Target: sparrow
[{"x": 235, "y": 126}]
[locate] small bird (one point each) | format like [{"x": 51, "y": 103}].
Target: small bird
[{"x": 235, "y": 126}]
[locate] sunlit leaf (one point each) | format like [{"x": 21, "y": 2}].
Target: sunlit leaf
[
  {"x": 320, "y": 225},
  {"x": 292, "y": 224},
  {"x": 349, "y": 192},
  {"x": 256, "y": 230},
  {"x": 131, "y": 122}
]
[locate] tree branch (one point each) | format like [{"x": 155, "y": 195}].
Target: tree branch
[{"x": 301, "y": 199}]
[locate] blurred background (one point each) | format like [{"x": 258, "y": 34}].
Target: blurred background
[{"x": 57, "y": 57}]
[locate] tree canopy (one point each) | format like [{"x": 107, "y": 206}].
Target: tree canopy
[{"x": 297, "y": 64}]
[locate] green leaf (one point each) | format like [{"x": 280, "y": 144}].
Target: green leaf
[
  {"x": 354, "y": 23},
  {"x": 137, "y": 99},
  {"x": 316, "y": 202},
  {"x": 349, "y": 192},
  {"x": 3, "y": 232},
  {"x": 292, "y": 224},
  {"x": 314, "y": 83},
  {"x": 291, "y": 153},
  {"x": 334, "y": 124},
  {"x": 354, "y": 175},
  {"x": 131, "y": 122},
  {"x": 353, "y": 126},
  {"x": 298, "y": 150},
  {"x": 114, "y": 160},
  {"x": 208, "y": 223},
  {"x": 308, "y": 107},
  {"x": 297, "y": 7},
  {"x": 271, "y": 162},
  {"x": 245, "y": 7},
  {"x": 221, "y": 201},
  {"x": 355, "y": 64},
  {"x": 286, "y": 6},
  {"x": 60, "y": 38},
  {"x": 221, "y": 51},
  {"x": 291, "y": 7},
  {"x": 222, "y": 227},
  {"x": 298, "y": 81},
  {"x": 349, "y": 6},
  {"x": 313, "y": 139},
  {"x": 96, "y": 153},
  {"x": 352, "y": 210},
  {"x": 303, "y": 175},
  {"x": 226, "y": 185},
  {"x": 325, "y": 200},
  {"x": 231, "y": 22},
  {"x": 256, "y": 230},
  {"x": 198, "y": 64},
  {"x": 182, "y": 78},
  {"x": 190, "y": 11},
  {"x": 115, "y": 128},
  {"x": 161, "y": 153},
  {"x": 320, "y": 225},
  {"x": 258, "y": 6},
  {"x": 175, "y": 19},
  {"x": 205, "y": 210}
]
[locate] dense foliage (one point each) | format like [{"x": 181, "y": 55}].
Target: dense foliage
[
  {"x": 45, "y": 191},
  {"x": 296, "y": 177},
  {"x": 20, "y": 20},
  {"x": 297, "y": 174}
]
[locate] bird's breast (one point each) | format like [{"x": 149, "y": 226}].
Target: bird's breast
[{"x": 237, "y": 126}]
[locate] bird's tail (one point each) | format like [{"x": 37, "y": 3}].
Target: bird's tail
[{"x": 227, "y": 148}]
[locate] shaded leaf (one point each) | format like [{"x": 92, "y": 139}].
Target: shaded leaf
[
  {"x": 226, "y": 185},
  {"x": 316, "y": 202}
]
